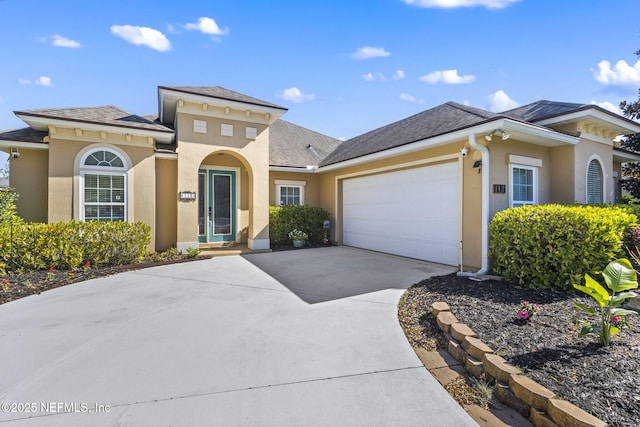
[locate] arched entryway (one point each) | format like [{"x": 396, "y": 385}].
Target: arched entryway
[{"x": 223, "y": 199}]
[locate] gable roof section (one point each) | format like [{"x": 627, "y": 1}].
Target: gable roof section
[
  {"x": 541, "y": 110},
  {"x": 219, "y": 92},
  {"x": 103, "y": 116},
  {"x": 294, "y": 146},
  {"x": 436, "y": 121},
  {"x": 548, "y": 113}
]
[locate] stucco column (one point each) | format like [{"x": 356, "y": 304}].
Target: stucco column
[
  {"x": 259, "y": 205},
  {"x": 187, "y": 211}
]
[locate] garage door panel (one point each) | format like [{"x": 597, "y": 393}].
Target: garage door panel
[{"x": 413, "y": 213}]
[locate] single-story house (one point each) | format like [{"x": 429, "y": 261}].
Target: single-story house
[{"x": 208, "y": 165}]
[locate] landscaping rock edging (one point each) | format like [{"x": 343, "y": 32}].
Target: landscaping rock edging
[{"x": 533, "y": 401}]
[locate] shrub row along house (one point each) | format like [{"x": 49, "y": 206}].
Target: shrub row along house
[{"x": 208, "y": 165}]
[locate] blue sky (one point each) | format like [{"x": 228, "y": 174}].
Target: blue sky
[{"x": 342, "y": 68}]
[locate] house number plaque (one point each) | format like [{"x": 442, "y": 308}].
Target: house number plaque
[{"x": 499, "y": 188}]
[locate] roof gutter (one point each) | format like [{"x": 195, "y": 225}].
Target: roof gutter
[{"x": 6, "y": 143}]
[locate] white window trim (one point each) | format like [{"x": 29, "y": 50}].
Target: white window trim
[
  {"x": 603, "y": 178},
  {"x": 81, "y": 169},
  {"x": 536, "y": 184},
  {"x": 251, "y": 132},
  {"x": 83, "y": 159},
  {"x": 226, "y": 129},
  {"x": 289, "y": 183},
  {"x": 199, "y": 126},
  {"x": 104, "y": 171}
]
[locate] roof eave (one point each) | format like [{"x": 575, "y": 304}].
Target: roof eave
[
  {"x": 42, "y": 122},
  {"x": 296, "y": 169},
  {"x": 524, "y": 131},
  {"x": 626, "y": 126},
  {"x": 166, "y": 93}
]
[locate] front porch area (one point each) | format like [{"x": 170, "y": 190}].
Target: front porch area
[{"x": 226, "y": 249}]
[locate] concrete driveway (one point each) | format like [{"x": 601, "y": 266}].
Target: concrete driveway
[{"x": 307, "y": 337}]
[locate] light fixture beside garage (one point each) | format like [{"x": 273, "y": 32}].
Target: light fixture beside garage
[{"x": 504, "y": 135}]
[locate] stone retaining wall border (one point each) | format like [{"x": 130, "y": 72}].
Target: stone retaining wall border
[{"x": 539, "y": 404}]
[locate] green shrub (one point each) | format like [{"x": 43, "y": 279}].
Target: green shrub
[
  {"x": 553, "y": 246},
  {"x": 283, "y": 219},
  {"x": 36, "y": 246},
  {"x": 8, "y": 210}
]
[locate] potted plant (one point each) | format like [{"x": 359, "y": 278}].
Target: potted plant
[{"x": 298, "y": 237}]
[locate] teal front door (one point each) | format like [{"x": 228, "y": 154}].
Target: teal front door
[{"x": 221, "y": 206}]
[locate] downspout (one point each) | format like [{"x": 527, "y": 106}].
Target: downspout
[{"x": 486, "y": 193}]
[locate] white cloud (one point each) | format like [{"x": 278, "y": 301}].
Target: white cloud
[
  {"x": 40, "y": 81},
  {"x": 370, "y": 52},
  {"x": 622, "y": 74},
  {"x": 608, "y": 106},
  {"x": 500, "y": 101},
  {"x": 370, "y": 77},
  {"x": 449, "y": 77},
  {"x": 294, "y": 94},
  {"x": 399, "y": 74},
  {"x": 44, "y": 81},
  {"x": 142, "y": 36},
  {"x": 207, "y": 26},
  {"x": 410, "y": 98},
  {"x": 61, "y": 41},
  {"x": 447, "y": 4}
]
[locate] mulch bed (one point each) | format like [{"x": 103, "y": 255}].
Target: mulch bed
[
  {"x": 604, "y": 381},
  {"x": 36, "y": 282}
]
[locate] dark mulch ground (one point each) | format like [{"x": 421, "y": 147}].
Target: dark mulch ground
[
  {"x": 35, "y": 282},
  {"x": 603, "y": 381}
]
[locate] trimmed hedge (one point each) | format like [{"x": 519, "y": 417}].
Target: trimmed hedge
[
  {"x": 67, "y": 245},
  {"x": 283, "y": 219},
  {"x": 554, "y": 246}
]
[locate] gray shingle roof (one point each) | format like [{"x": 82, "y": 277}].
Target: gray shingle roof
[
  {"x": 105, "y": 115},
  {"x": 294, "y": 146},
  {"x": 541, "y": 110},
  {"x": 24, "y": 135},
  {"x": 221, "y": 93},
  {"x": 436, "y": 121}
]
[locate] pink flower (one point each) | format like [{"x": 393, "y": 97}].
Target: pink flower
[
  {"x": 523, "y": 314},
  {"x": 616, "y": 319}
]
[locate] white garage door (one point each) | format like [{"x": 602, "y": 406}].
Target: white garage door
[{"x": 412, "y": 213}]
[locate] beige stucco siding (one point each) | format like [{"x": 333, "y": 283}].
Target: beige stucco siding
[
  {"x": 239, "y": 140},
  {"x": 331, "y": 185},
  {"x": 585, "y": 151},
  {"x": 310, "y": 181},
  {"x": 29, "y": 175},
  {"x": 500, "y": 152},
  {"x": 66, "y": 151},
  {"x": 167, "y": 203},
  {"x": 562, "y": 170},
  {"x": 251, "y": 156}
]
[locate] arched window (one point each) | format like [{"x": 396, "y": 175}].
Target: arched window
[
  {"x": 104, "y": 186},
  {"x": 594, "y": 182}
]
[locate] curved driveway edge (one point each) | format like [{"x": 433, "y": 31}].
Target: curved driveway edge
[{"x": 307, "y": 337}]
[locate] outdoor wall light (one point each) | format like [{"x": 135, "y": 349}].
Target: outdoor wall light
[
  {"x": 186, "y": 196},
  {"x": 504, "y": 135}
]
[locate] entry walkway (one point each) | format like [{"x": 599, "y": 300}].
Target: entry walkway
[{"x": 298, "y": 338}]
